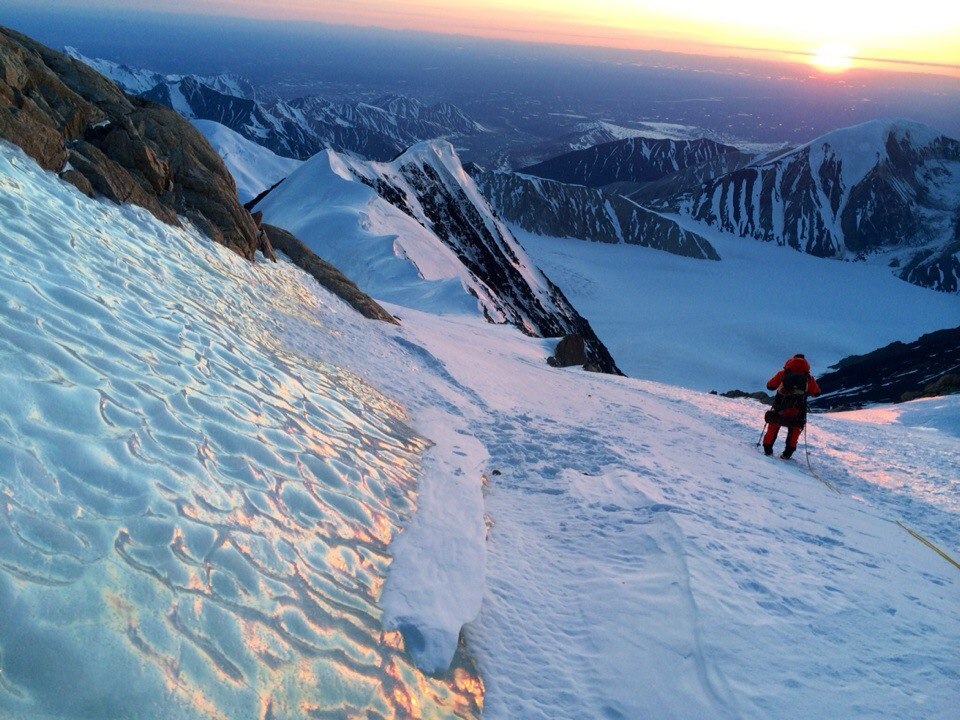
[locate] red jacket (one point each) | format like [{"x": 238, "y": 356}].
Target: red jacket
[{"x": 792, "y": 408}]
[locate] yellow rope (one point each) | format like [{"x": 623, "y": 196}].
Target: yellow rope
[
  {"x": 913, "y": 532},
  {"x": 930, "y": 545}
]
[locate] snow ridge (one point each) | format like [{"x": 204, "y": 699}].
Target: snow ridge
[{"x": 424, "y": 209}]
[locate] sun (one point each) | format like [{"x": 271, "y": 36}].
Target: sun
[{"x": 832, "y": 58}]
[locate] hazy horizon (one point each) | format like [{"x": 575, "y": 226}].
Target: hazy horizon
[
  {"x": 828, "y": 35},
  {"x": 748, "y": 98}
]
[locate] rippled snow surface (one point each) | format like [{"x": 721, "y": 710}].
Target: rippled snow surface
[{"x": 193, "y": 518}]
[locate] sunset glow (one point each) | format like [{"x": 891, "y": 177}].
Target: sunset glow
[
  {"x": 833, "y": 58},
  {"x": 921, "y": 37}
]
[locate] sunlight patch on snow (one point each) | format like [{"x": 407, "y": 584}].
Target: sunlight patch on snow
[{"x": 195, "y": 516}]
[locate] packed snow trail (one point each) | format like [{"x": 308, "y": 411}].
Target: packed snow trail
[{"x": 645, "y": 561}]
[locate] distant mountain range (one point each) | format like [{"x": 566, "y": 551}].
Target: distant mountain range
[
  {"x": 300, "y": 128},
  {"x": 633, "y": 160},
  {"x": 885, "y": 189},
  {"x": 137, "y": 81},
  {"x": 556, "y": 209},
  {"x": 581, "y": 136}
]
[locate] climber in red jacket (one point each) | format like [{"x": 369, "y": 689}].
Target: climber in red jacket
[{"x": 793, "y": 384}]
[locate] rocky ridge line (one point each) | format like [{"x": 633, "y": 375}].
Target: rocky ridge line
[{"x": 77, "y": 123}]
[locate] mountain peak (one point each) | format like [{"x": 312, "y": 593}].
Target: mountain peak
[{"x": 859, "y": 148}]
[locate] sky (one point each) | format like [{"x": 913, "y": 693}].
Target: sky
[{"x": 830, "y": 34}]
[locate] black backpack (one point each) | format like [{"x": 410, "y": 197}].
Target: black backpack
[
  {"x": 792, "y": 393},
  {"x": 794, "y": 383}
]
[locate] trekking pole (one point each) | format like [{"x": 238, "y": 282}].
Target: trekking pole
[{"x": 762, "y": 433}]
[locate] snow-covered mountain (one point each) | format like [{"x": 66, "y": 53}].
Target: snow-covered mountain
[
  {"x": 254, "y": 168},
  {"x": 298, "y": 128},
  {"x": 131, "y": 80},
  {"x": 888, "y": 188},
  {"x": 585, "y": 135},
  {"x": 301, "y": 128},
  {"x": 407, "y": 119},
  {"x": 137, "y": 81},
  {"x": 547, "y": 207},
  {"x": 634, "y": 160},
  {"x": 391, "y": 225}
]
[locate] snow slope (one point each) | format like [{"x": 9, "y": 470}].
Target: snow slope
[
  {"x": 204, "y": 460},
  {"x": 254, "y": 167},
  {"x": 421, "y": 217},
  {"x": 194, "y": 515},
  {"x": 379, "y": 247}
]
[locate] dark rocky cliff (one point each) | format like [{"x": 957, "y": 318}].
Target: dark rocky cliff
[
  {"x": 555, "y": 209},
  {"x": 75, "y": 122},
  {"x": 899, "y": 371}
]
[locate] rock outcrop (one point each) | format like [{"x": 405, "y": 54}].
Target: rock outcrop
[
  {"x": 75, "y": 122},
  {"x": 326, "y": 274},
  {"x": 899, "y": 371},
  {"x": 570, "y": 351}
]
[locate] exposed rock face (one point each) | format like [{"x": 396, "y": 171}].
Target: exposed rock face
[
  {"x": 326, "y": 274},
  {"x": 555, "y": 209},
  {"x": 429, "y": 184},
  {"x": 76, "y": 122},
  {"x": 570, "y": 351},
  {"x": 889, "y": 187},
  {"x": 899, "y": 371},
  {"x": 634, "y": 160}
]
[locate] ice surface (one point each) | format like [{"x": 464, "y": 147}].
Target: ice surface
[{"x": 730, "y": 325}]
